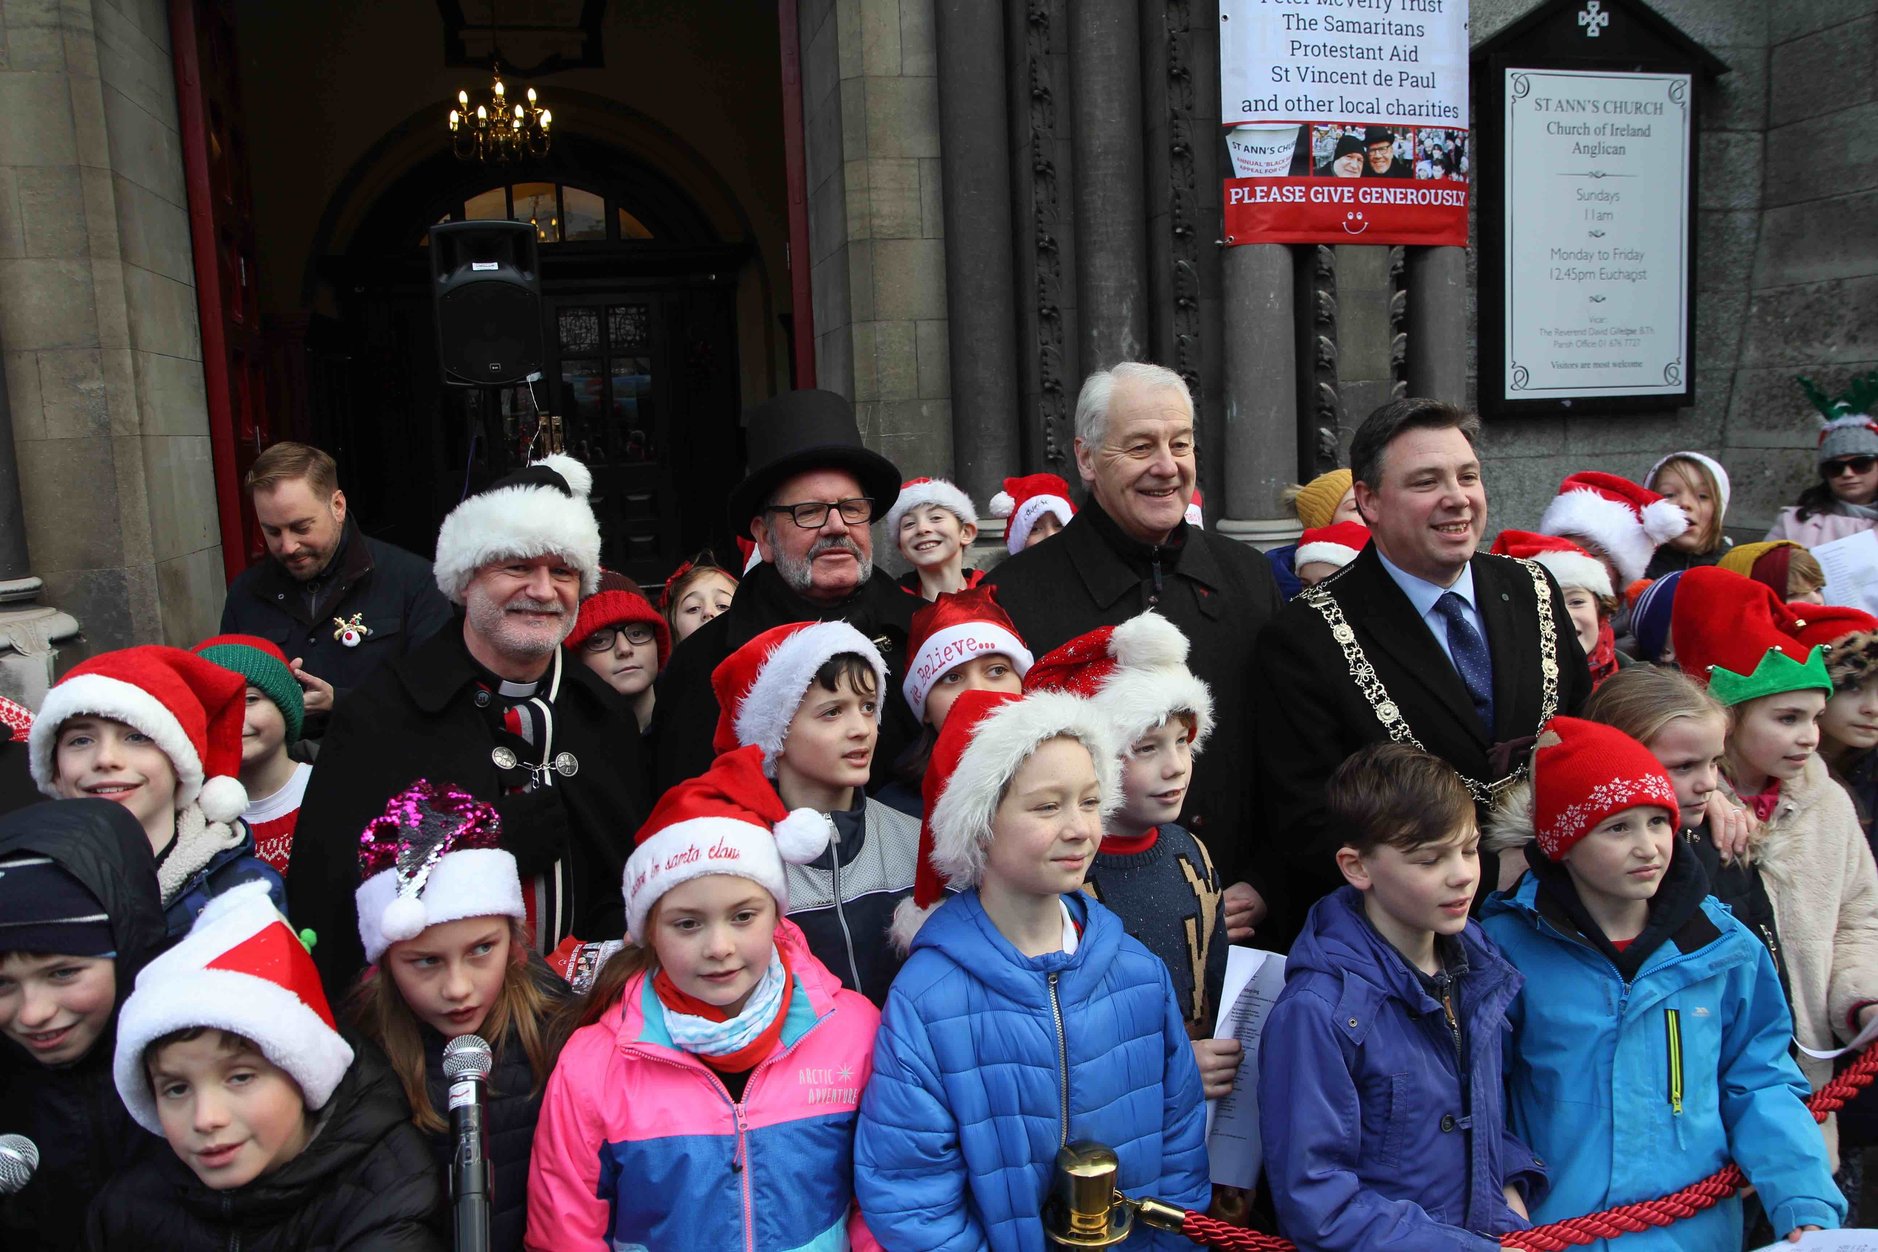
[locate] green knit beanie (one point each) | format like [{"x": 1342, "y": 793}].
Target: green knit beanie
[{"x": 265, "y": 666}]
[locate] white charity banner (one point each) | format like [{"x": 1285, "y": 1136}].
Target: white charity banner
[{"x": 1386, "y": 62}]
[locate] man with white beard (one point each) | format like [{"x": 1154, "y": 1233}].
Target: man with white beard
[{"x": 496, "y": 708}]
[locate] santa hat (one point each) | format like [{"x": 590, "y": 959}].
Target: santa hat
[
  {"x": 1622, "y": 518},
  {"x": 1136, "y": 675},
  {"x": 1846, "y": 427},
  {"x": 917, "y": 493},
  {"x": 1569, "y": 563},
  {"x": 760, "y": 685},
  {"x": 1194, "y": 515},
  {"x": 1318, "y": 499},
  {"x": 192, "y": 708},
  {"x": 727, "y": 820},
  {"x": 242, "y": 969},
  {"x": 1738, "y": 637},
  {"x": 540, "y": 510},
  {"x": 1026, "y": 499},
  {"x": 752, "y": 555},
  {"x": 953, "y": 629},
  {"x": 620, "y": 608},
  {"x": 1330, "y": 545},
  {"x": 1723, "y": 487},
  {"x": 986, "y": 739},
  {"x": 432, "y": 857},
  {"x": 1584, "y": 772},
  {"x": 264, "y": 666}
]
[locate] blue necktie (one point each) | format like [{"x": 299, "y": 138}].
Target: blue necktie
[{"x": 1470, "y": 656}]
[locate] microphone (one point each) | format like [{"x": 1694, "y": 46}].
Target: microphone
[
  {"x": 19, "y": 1157},
  {"x": 466, "y": 1062}
]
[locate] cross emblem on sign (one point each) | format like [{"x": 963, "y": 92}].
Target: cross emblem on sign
[{"x": 1594, "y": 18}]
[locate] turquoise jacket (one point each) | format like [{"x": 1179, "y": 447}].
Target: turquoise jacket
[{"x": 1693, "y": 1051}]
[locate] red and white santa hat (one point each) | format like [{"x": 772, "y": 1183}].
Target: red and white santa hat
[
  {"x": 986, "y": 739},
  {"x": 191, "y": 707},
  {"x": 727, "y": 820},
  {"x": 1625, "y": 520},
  {"x": 954, "y": 629},
  {"x": 432, "y": 857},
  {"x": 917, "y": 493},
  {"x": 1584, "y": 772},
  {"x": 1336, "y": 544},
  {"x": 242, "y": 969},
  {"x": 539, "y": 510},
  {"x": 1569, "y": 563},
  {"x": 1026, "y": 499},
  {"x": 1195, "y": 517},
  {"x": 760, "y": 685},
  {"x": 1135, "y": 674}
]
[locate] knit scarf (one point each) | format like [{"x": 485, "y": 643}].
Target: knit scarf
[
  {"x": 1867, "y": 511},
  {"x": 729, "y": 1045}
]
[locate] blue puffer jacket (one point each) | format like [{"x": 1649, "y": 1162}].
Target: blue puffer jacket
[
  {"x": 1367, "y": 1140},
  {"x": 988, "y": 1061},
  {"x": 1693, "y": 1050}
]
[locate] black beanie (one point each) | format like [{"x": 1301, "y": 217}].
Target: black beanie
[{"x": 44, "y": 909}]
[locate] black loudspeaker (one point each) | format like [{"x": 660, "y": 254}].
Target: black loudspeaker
[{"x": 486, "y": 286}]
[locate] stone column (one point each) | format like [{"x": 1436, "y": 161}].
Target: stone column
[
  {"x": 1261, "y": 453},
  {"x": 28, "y": 630},
  {"x": 1110, "y": 181},
  {"x": 975, "y": 185},
  {"x": 1437, "y": 323}
]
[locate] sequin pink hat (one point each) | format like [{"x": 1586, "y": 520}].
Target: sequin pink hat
[{"x": 431, "y": 858}]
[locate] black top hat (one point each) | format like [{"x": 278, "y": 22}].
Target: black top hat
[
  {"x": 799, "y": 431},
  {"x": 1378, "y": 134}
]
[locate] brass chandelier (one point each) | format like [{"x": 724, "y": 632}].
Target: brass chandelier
[{"x": 498, "y": 131}]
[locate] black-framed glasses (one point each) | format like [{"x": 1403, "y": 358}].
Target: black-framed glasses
[
  {"x": 638, "y": 634},
  {"x": 813, "y": 515},
  {"x": 1850, "y": 465}
]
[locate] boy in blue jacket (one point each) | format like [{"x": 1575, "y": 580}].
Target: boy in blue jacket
[
  {"x": 1025, "y": 1018},
  {"x": 1379, "y": 1069},
  {"x": 1650, "y": 1046}
]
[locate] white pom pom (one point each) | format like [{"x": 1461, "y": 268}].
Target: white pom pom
[
  {"x": 578, "y": 477},
  {"x": 1002, "y": 505},
  {"x": 403, "y": 918},
  {"x": 223, "y": 799},
  {"x": 1148, "y": 641},
  {"x": 802, "y": 836},
  {"x": 908, "y": 917},
  {"x": 1663, "y": 521}
]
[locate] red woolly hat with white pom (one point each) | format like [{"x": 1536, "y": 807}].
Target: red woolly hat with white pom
[
  {"x": 192, "y": 708},
  {"x": 1625, "y": 520},
  {"x": 1336, "y": 544},
  {"x": 1024, "y": 500},
  {"x": 727, "y": 820},
  {"x": 1569, "y": 563},
  {"x": 917, "y": 493},
  {"x": 761, "y": 684},
  {"x": 1136, "y": 674},
  {"x": 432, "y": 857}
]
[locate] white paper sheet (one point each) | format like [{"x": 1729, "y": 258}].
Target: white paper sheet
[
  {"x": 1851, "y": 568},
  {"x": 1829, "y": 1241},
  {"x": 1865, "y": 1036},
  {"x": 1253, "y": 980}
]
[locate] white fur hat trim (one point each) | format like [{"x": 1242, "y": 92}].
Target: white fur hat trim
[
  {"x": 719, "y": 845},
  {"x": 474, "y": 882},
  {"x": 177, "y": 991},
  {"x": 104, "y": 696},
  {"x": 933, "y": 491},
  {"x": 946, "y": 650},
  {"x": 1577, "y": 569},
  {"x": 521, "y": 522},
  {"x": 767, "y": 708},
  {"x": 1336, "y": 554},
  {"x": 1004, "y": 740},
  {"x": 1614, "y": 526},
  {"x": 1151, "y": 682},
  {"x": 1017, "y": 532}
]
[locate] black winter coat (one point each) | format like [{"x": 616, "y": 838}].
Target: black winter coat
[
  {"x": 393, "y": 592},
  {"x": 1312, "y": 715},
  {"x": 419, "y": 717},
  {"x": 1217, "y": 590},
  {"x": 365, "y": 1182},
  {"x": 684, "y": 718},
  {"x": 73, "y": 1113}
]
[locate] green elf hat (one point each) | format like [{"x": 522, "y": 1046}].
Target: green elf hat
[{"x": 1734, "y": 634}]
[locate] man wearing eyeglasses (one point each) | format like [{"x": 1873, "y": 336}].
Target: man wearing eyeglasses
[{"x": 809, "y": 500}]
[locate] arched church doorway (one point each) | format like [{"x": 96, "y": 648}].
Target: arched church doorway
[{"x": 641, "y": 368}]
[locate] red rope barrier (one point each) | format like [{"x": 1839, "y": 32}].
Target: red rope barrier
[{"x": 1578, "y": 1231}]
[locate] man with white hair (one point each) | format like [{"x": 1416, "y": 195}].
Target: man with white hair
[
  {"x": 1131, "y": 548},
  {"x": 494, "y": 706}
]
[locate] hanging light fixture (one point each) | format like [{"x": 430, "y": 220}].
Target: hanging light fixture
[{"x": 498, "y": 130}]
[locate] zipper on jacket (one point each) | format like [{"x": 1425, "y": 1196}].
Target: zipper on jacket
[
  {"x": 737, "y": 1164},
  {"x": 228, "y": 1216},
  {"x": 1154, "y": 565},
  {"x": 1672, "y": 1025},
  {"x": 1062, "y": 1063},
  {"x": 841, "y": 907}
]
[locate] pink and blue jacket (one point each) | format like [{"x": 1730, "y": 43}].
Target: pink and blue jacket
[{"x": 640, "y": 1146}]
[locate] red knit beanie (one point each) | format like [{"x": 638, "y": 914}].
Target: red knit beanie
[{"x": 1582, "y": 773}]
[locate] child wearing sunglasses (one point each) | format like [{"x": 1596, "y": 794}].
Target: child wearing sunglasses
[{"x": 1845, "y": 500}]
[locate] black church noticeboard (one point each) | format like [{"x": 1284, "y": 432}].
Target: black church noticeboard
[{"x": 1586, "y": 198}]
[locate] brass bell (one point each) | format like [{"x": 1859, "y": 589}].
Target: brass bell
[{"x": 1084, "y": 1210}]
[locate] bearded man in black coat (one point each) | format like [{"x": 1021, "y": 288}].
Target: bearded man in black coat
[
  {"x": 1422, "y": 639},
  {"x": 812, "y": 491},
  {"x": 1131, "y": 549}
]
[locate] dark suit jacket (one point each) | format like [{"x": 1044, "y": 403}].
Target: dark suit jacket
[{"x": 1313, "y": 716}]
